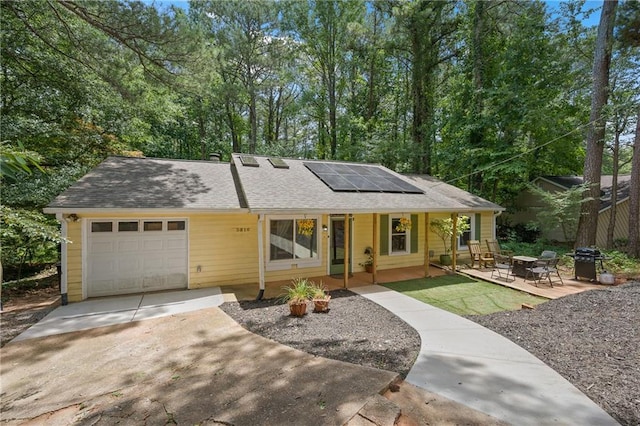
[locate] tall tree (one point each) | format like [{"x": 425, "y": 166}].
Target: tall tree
[
  {"x": 429, "y": 26},
  {"x": 588, "y": 223},
  {"x": 634, "y": 197}
]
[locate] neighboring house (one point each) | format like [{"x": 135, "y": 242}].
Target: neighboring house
[
  {"x": 142, "y": 224},
  {"x": 527, "y": 204}
]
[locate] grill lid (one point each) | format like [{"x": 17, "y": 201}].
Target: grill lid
[{"x": 587, "y": 251}]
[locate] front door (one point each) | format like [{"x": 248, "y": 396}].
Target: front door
[{"x": 336, "y": 256}]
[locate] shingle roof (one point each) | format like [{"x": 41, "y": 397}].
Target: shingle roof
[
  {"x": 268, "y": 189},
  {"x": 149, "y": 183},
  {"x": 606, "y": 184}
]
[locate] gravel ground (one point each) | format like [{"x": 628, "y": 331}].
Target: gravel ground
[{"x": 591, "y": 338}]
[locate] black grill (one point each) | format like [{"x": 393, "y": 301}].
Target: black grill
[{"x": 585, "y": 261}]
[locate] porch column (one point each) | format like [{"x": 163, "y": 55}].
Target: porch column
[
  {"x": 260, "y": 256},
  {"x": 454, "y": 242},
  {"x": 426, "y": 245},
  {"x": 347, "y": 233},
  {"x": 375, "y": 249}
]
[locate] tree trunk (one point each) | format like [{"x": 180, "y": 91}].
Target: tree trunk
[
  {"x": 614, "y": 184},
  {"x": 588, "y": 224},
  {"x": 476, "y": 134},
  {"x": 634, "y": 197},
  {"x": 253, "y": 121}
]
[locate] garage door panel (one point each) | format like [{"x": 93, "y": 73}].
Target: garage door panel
[
  {"x": 153, "y": 244},
  {"x": 106, "y": 247},
  {"x": 132, "y": 262},
  {"x": 177, "y": 279},
  {"x": 128, "y": 245},
  {"x": 128, "y": 266},
  {"x": 175, "y": 262},
  {"x": 153, "y": 264},
  {"x": 176, "y": 244},
  {"x": 102, "y": 267},
  {"x": 128, "y": 284}
]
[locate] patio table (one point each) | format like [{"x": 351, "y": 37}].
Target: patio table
[{"x": 521, "y": 263}]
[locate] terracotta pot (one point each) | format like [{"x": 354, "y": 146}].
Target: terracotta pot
[
  {"x": 298, "y": 309},
  {"x": 368, "y": 268},
  {"x": 321, "y": 305}
]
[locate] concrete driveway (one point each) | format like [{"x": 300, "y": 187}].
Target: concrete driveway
[{"x": 189, "y": 368}]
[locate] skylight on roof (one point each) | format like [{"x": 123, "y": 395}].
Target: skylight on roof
[
  {"x": 249, "y": 161},
  {"x": 278, "y": 163}
]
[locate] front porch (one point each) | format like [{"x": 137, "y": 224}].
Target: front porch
[{"x": 359, "y": 279}]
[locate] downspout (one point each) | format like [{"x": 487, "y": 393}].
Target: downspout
[
  {"x": 494, "y": 227},
  {"x": 260, "y": 257},
  {"x": 63, "y": 260}
]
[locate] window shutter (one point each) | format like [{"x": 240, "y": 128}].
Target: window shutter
[
  {"x": 478, "y": 227},
  {"x": 414, "y": 233},
  {"x": 384, "y": 234}
]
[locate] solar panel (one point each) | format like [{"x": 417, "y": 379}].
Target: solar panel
[
  {"x": 278, "y": 163},
  {"x": 360, "y": 178},
  {"x": 249, "y": 161}
]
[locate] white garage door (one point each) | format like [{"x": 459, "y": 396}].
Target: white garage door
[{"x": 133, "y": 256}]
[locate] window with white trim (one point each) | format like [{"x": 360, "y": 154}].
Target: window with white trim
[
  {"x": 294, "y": 239},
  {"x": 399, "y": 235}
]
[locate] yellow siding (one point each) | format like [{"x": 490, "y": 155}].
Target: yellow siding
[
  {"x": 621, "y": 229},
  {"x": 362, "y": 238},
  {"x": 225, "y": 248},
  {"x": 74, "y": 262}
]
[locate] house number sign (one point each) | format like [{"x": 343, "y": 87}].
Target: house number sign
[{"x": 243, "y": 229}]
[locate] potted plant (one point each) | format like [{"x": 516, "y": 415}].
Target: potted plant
[
  {"x": 320, "y": 298},
  {"x": 296, "y": 296},
  {"x": 368, "y": 263},
  {"x": 443, "y": 228}
]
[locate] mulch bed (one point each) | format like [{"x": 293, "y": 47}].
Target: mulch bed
[
  {"x": 355, "y": 330},
  {"x": 592, "y": 338}
]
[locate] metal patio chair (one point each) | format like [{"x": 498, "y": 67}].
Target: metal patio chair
[
  {"x": 545, "y": 268},
  {"x": 502, "y": 266}
]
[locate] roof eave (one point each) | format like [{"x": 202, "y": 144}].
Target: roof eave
[{"x": 123, "y": 211}]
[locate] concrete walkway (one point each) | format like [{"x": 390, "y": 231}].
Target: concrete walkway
[
  {"x": 470, "y": 364},
  {"x": 121, "y": 309}
]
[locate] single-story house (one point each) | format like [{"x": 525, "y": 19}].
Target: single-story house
[
  {"x": 527, "y": 205},
  {"x": 147, "y": 224}
]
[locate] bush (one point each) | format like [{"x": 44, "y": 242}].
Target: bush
[{"x": 617, "y": 262}]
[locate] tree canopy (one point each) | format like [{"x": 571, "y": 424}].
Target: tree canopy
[{"x": 484, "y": 95}]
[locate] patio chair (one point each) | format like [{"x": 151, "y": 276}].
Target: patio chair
[
  {"x": 545, "y": 268},
  {"x": 502, "y": 266},
  {"x": 477, "y": 255},
  {"x": 494, "y": 248},
  {"x": 547, "y": 254}
]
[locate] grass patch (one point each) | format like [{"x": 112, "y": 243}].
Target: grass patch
[{"x": 463, "y": 295}]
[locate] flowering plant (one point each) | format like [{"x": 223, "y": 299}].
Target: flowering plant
[
  {"x": 403, "y": 225},
  {"x": 306, "y": 227}
]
